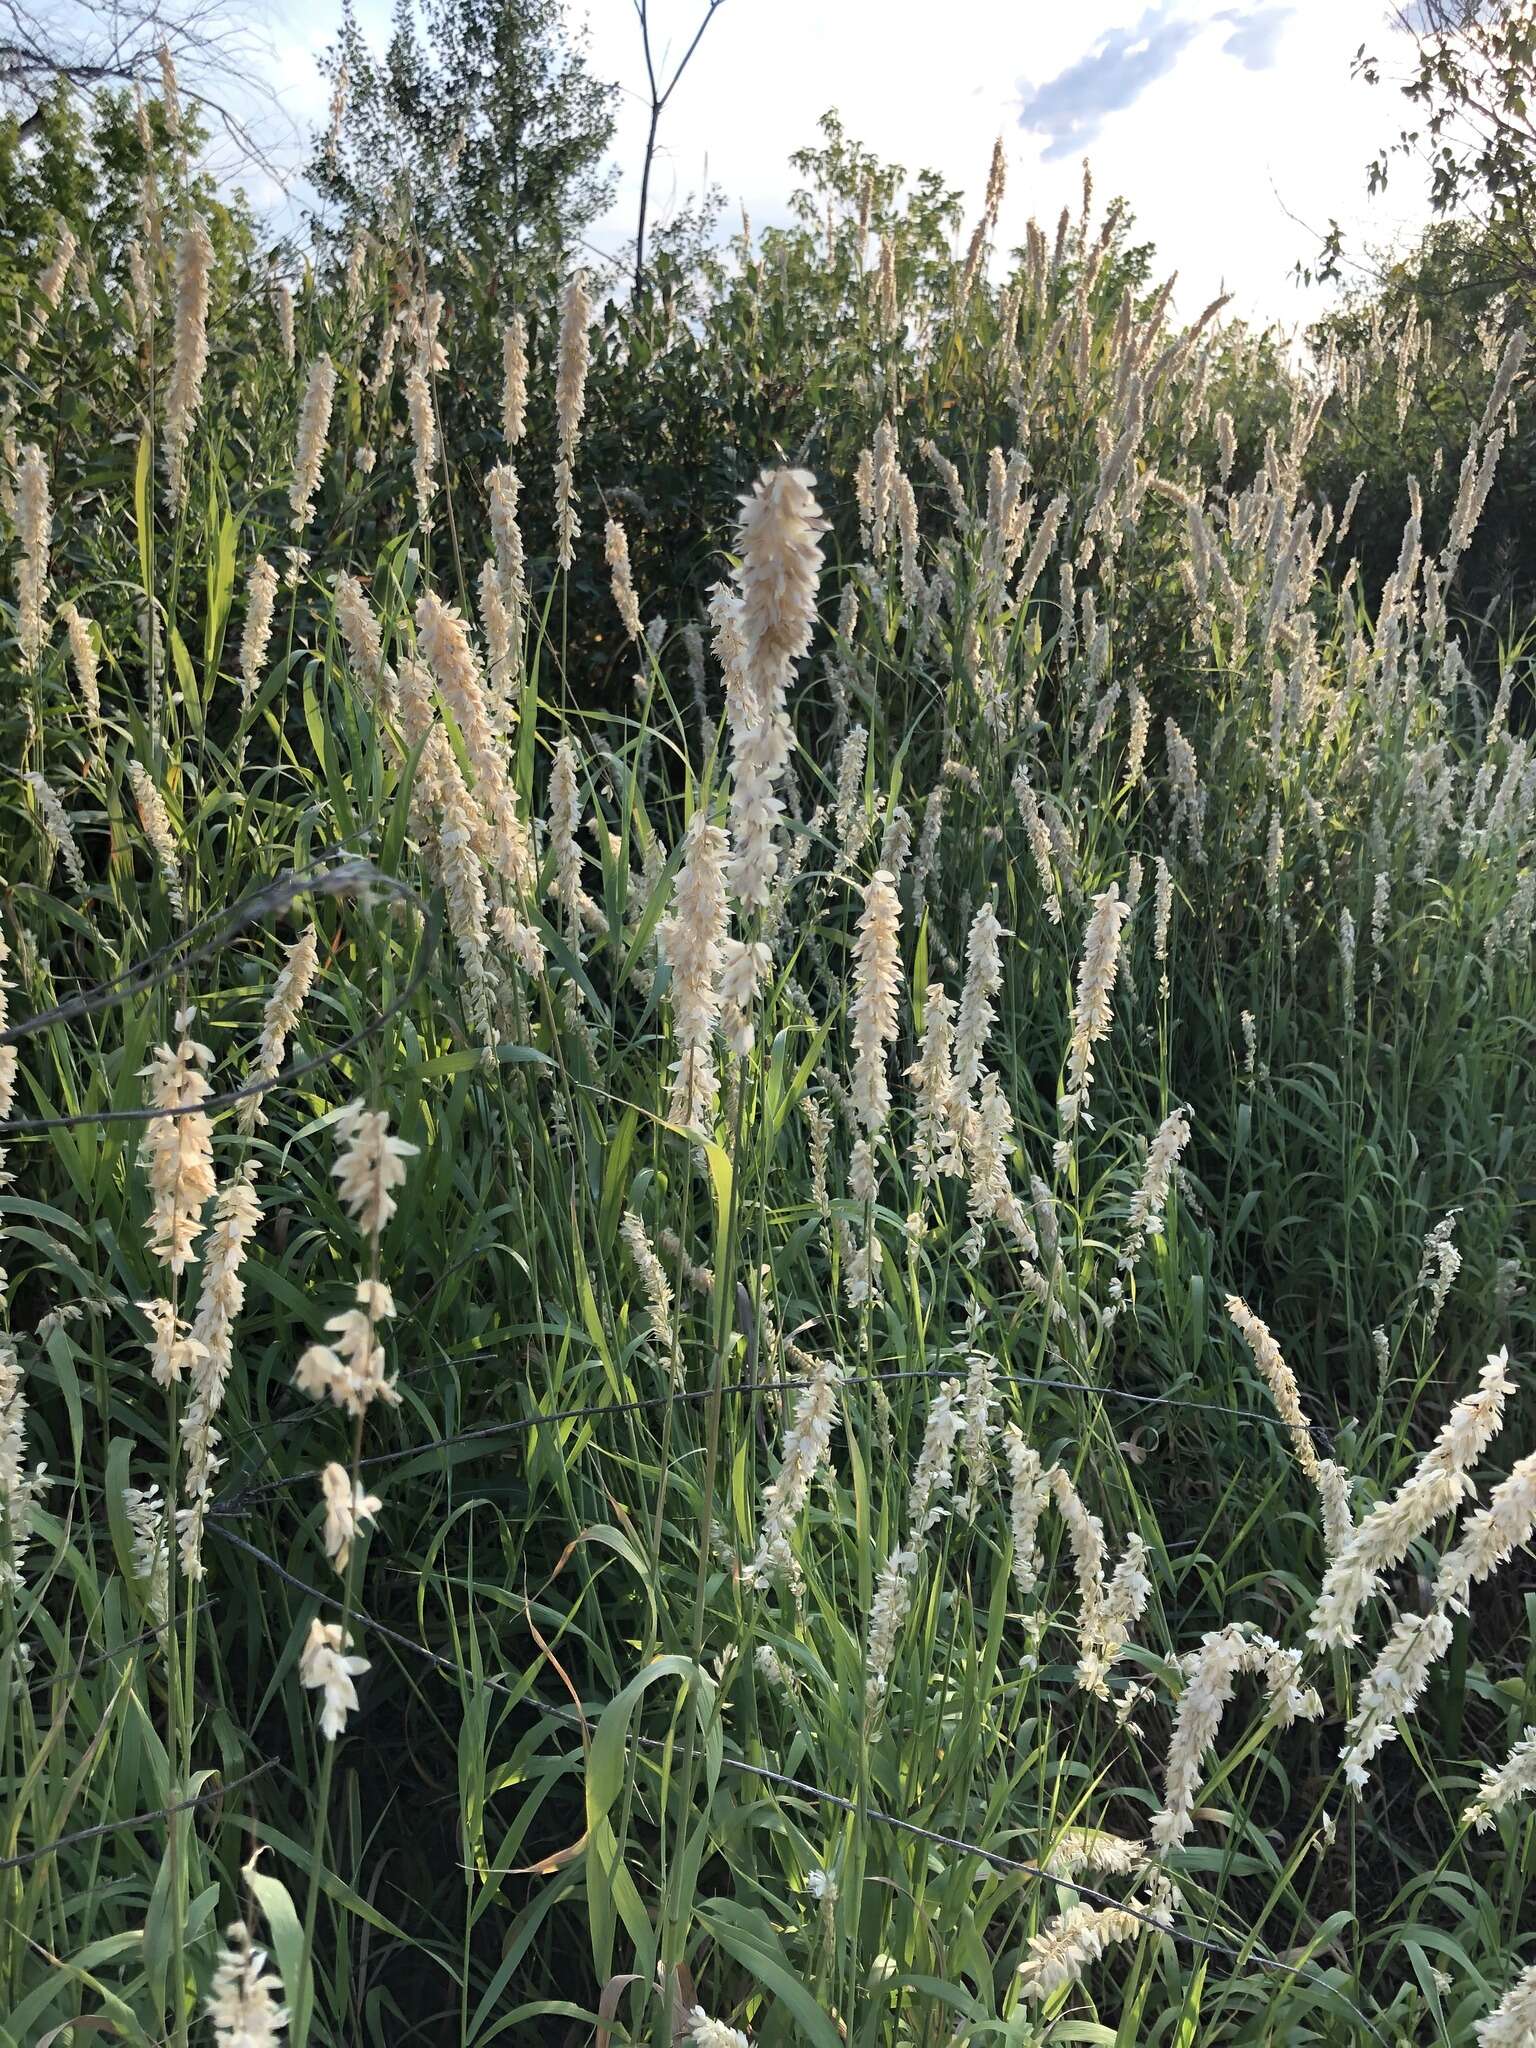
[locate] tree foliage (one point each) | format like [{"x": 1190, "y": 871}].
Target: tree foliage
[
  {"x": 1468, "y": 89},
  {"x": 480, "y": 130}
]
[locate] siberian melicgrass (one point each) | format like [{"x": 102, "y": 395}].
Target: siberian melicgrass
[{"x": 835, "y": 1574}]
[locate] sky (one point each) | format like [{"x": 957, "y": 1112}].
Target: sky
[{"x": 1234, "y": 128}]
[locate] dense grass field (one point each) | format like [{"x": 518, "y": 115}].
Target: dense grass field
[{"x": 768, "y": 1164}]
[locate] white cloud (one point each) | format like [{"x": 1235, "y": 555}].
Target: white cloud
[{"x": 1071, "y": 108}]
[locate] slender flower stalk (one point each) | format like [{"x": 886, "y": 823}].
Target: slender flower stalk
[
  {"x": 170, "y": 95},
  {"x": 906, "y": 527},
  {"x": 1502, "y": 1787},
  {"x": 145, "y": 1511},
  {"x": 576, "y": 906},
  {"x": 1188, "y": 792},
  {"x": 927, "y": 1504},
  {"x": 1436, "y": 1488},
  {"x": 189, "y": 355},
  {"x": 57, "y": 829},
  {"x": 861, "y": 1262},
  {"x": 1512, "y": 2023},
  {"x": 653, "y": 1277},
  {"x": 221, "y": 1296},
  {"x": 1347, "y": 961},
  {"x": 689, "y": 941},
  {"x": 1162, "y": 919},
  {"x": 496, "y": 626},
  {"x": 325, "y": 1666},
  {"x": 289, "y": 994},
  {"x": 502, "y": 488},
  {"x": 256, "y": 635},
  {"x": 49, "y": 286},
  {"x": 807, "y": 1453},
  {"x": 356, "y": 265},
  {"x": 461, "y": 837},
  {"x": 1106, "y": 1613},
  {"x": 1030, "y": 1491},
  {"x": 177, "y": 1150},
  {"x": 83, "y": 656},
  {"x": 1092, "y": 1015},
  {"x": 243, "y": 1999},
  {"x": 347, "y": 1508},
  {"x": 514, "y": 388},
  {"x": 1438, "y": 1268},
  {"x": 1076, "y": 1849},
  {"x": 888, "y": 1610},
  {"x": 350, "y": 1373},
  {"x": 1038, "y": 834},
  {"x": 1330, "y": 1479},
  {"x": 936, "y": 1139},
  {"x": 986, "y": 1135},
  {"x": 140, "y": 297},
  {"x": 1210, "y": 1677},
  {"x": 850, "y": 821},
  {"x": 1400, "y": 1674},
  {"x": 1144, "y": 1218},
  {"x": 744, "y": 966},
  {"x": 418, "y": 399},
  {"x": 616, "y": 548},
  {"x": 1065, "y": 1946},
  {"x": 872, "y": 1009},
  {"x": 977, "y": 1013},
  {"x": 767, "y": 632},
  {"x": 365, "y": 645},
  {"x": 570, "y": 404},
  {"x": 282, "y": 305},
  {"x": 173, "y": 1350},
  {"x": 370, "y": 1165},
  {"x": 445, "y": 643},
  {"x": 34, "y": 525},
  {"x": 19, "y": 1485},
  {"x": 979, "y": 1409},
  {"x": 156, "y": 822},
  {"x": 314, "y": 425}
]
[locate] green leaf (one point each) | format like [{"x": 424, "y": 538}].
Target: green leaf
[
  {"x": 611, "y": 1891},
  {"x": 283, "y": 1928},
  {"x": 615, "y": 1173},
  {"x": 143, "y": 505},
  {"x": 221, "y": 585},
  {"x": 748, "y": 1936},
  {"x": 181, "y": 661},
  {"x": 335, "y": 1888}
]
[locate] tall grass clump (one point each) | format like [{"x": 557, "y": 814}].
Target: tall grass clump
[{"x": 768, "y": 1184}]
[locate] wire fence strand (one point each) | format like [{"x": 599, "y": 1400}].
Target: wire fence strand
[
  {"x": 237, "y": 1502},
  {"x": 134, "y": 1821},
  {"x": 334, "y": 875},
  {"x": 1248, "y": 1952},
  {"x": 352, "y": 877}
]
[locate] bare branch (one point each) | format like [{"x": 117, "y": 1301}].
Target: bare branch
[
  {"x": 213, "y": 44},
  {"x": 659, "y": 95}
]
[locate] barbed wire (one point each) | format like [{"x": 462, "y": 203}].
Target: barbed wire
[
  {"x": 89, "y": 1664},
  {"x": 333, "y": 874},
  {"x": 352, "y": 876},
  {"x": 522, "y": 1424},
  {"x": 134, "y": 1820},
  {"x": 1249, "y": 1952},
  {"x": 268, "y": 898},
  {"x": 496, "y": 1682}
]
